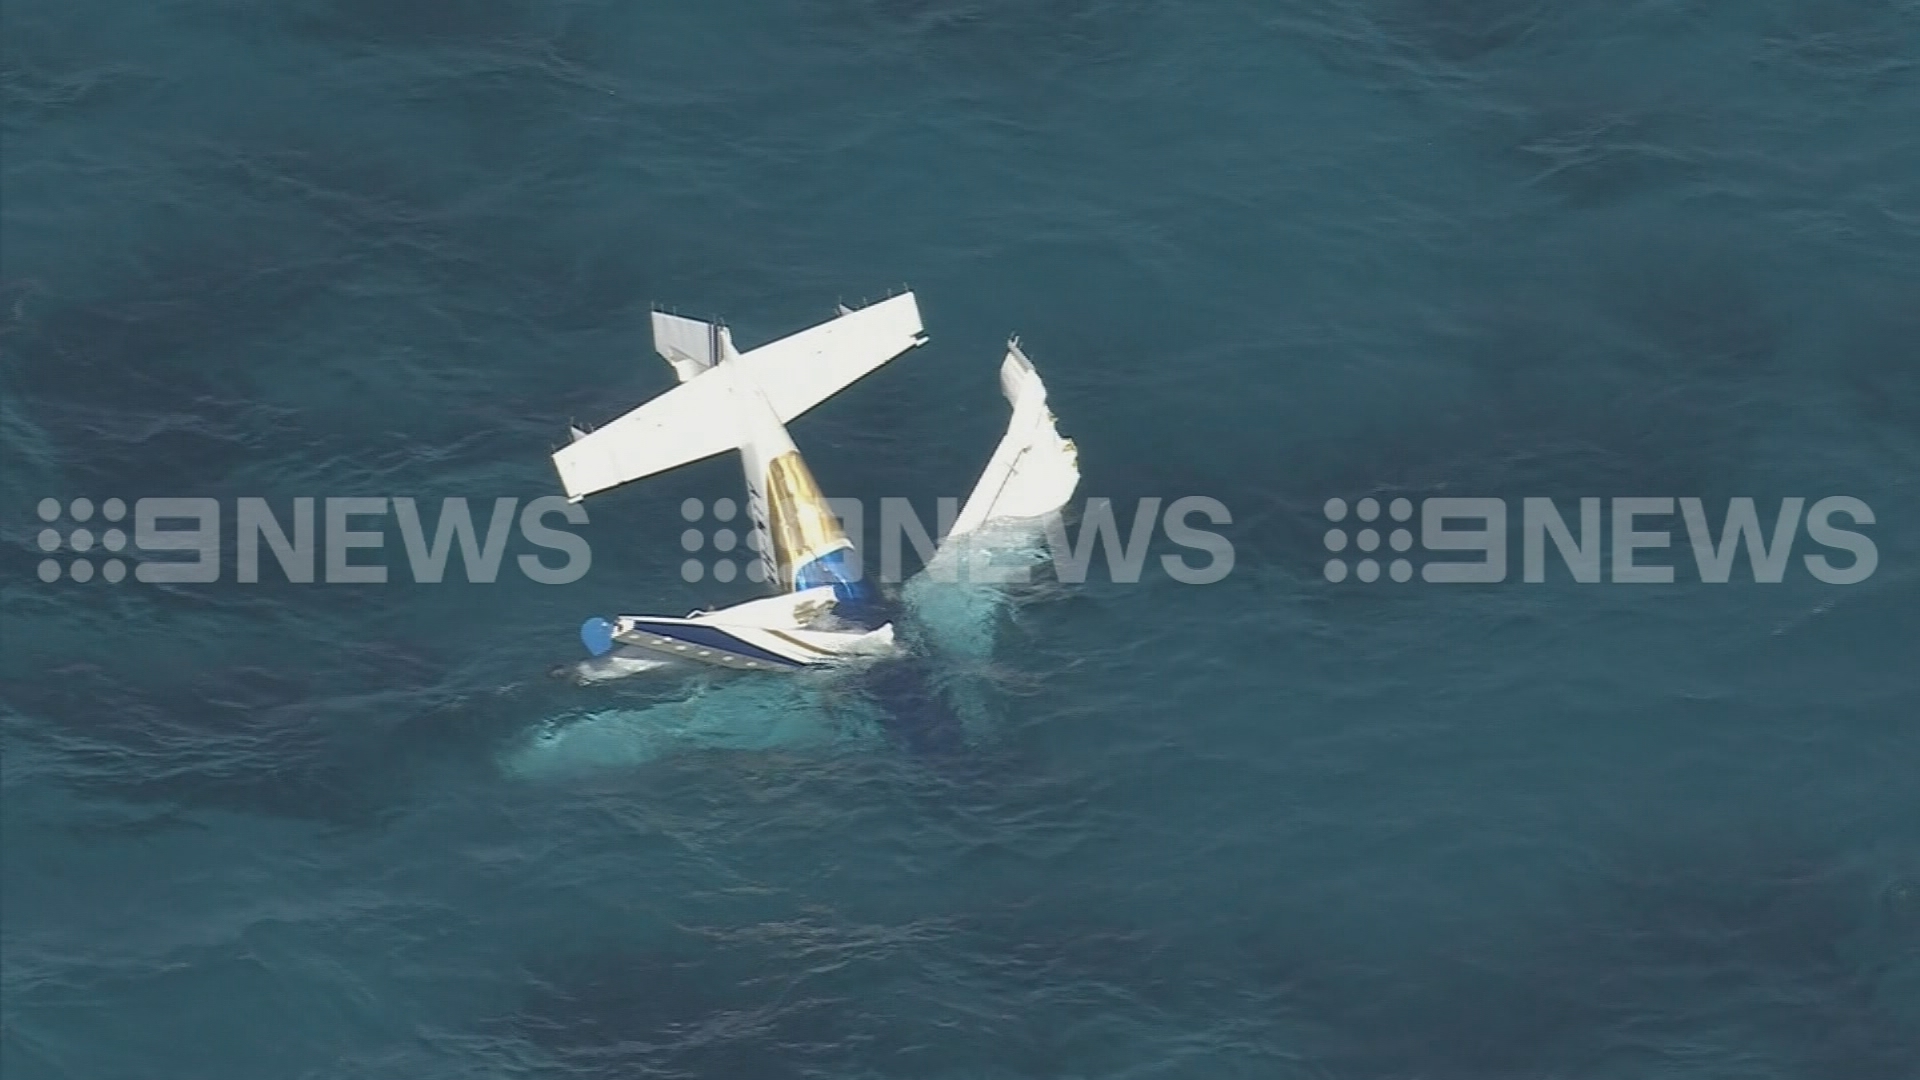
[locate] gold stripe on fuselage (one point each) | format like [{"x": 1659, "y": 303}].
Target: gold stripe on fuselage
[{"x": 802, "y": 525}]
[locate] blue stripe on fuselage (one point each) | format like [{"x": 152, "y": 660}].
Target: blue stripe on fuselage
[
  {"x": 854, "y": 599},
  {"x": 713, "y": 638}
]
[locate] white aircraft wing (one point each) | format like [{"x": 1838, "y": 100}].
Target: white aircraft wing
[
  {"x": 699, "y": 418},
  {"x": 798, "y": 372},
  {"x": 692, "y": 421}
]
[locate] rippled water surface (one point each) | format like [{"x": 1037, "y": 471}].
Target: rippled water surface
[{"x": 1269, "y": 253}]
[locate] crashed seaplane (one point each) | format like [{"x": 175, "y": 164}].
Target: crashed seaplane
[{"x": 824, "y": 611}]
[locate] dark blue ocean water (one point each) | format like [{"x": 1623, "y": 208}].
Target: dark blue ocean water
[{"x": 1270, "y": 253}]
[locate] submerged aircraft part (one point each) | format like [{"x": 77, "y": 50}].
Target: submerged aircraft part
[
  {"x": 824, "y": 612},
  {"x": 924, "y": 689}
]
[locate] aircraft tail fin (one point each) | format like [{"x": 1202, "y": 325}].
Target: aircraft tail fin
[{"x": 689, "y": 345}]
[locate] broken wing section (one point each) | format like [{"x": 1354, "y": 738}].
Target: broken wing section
[{"x": 1033, "y": 471}]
